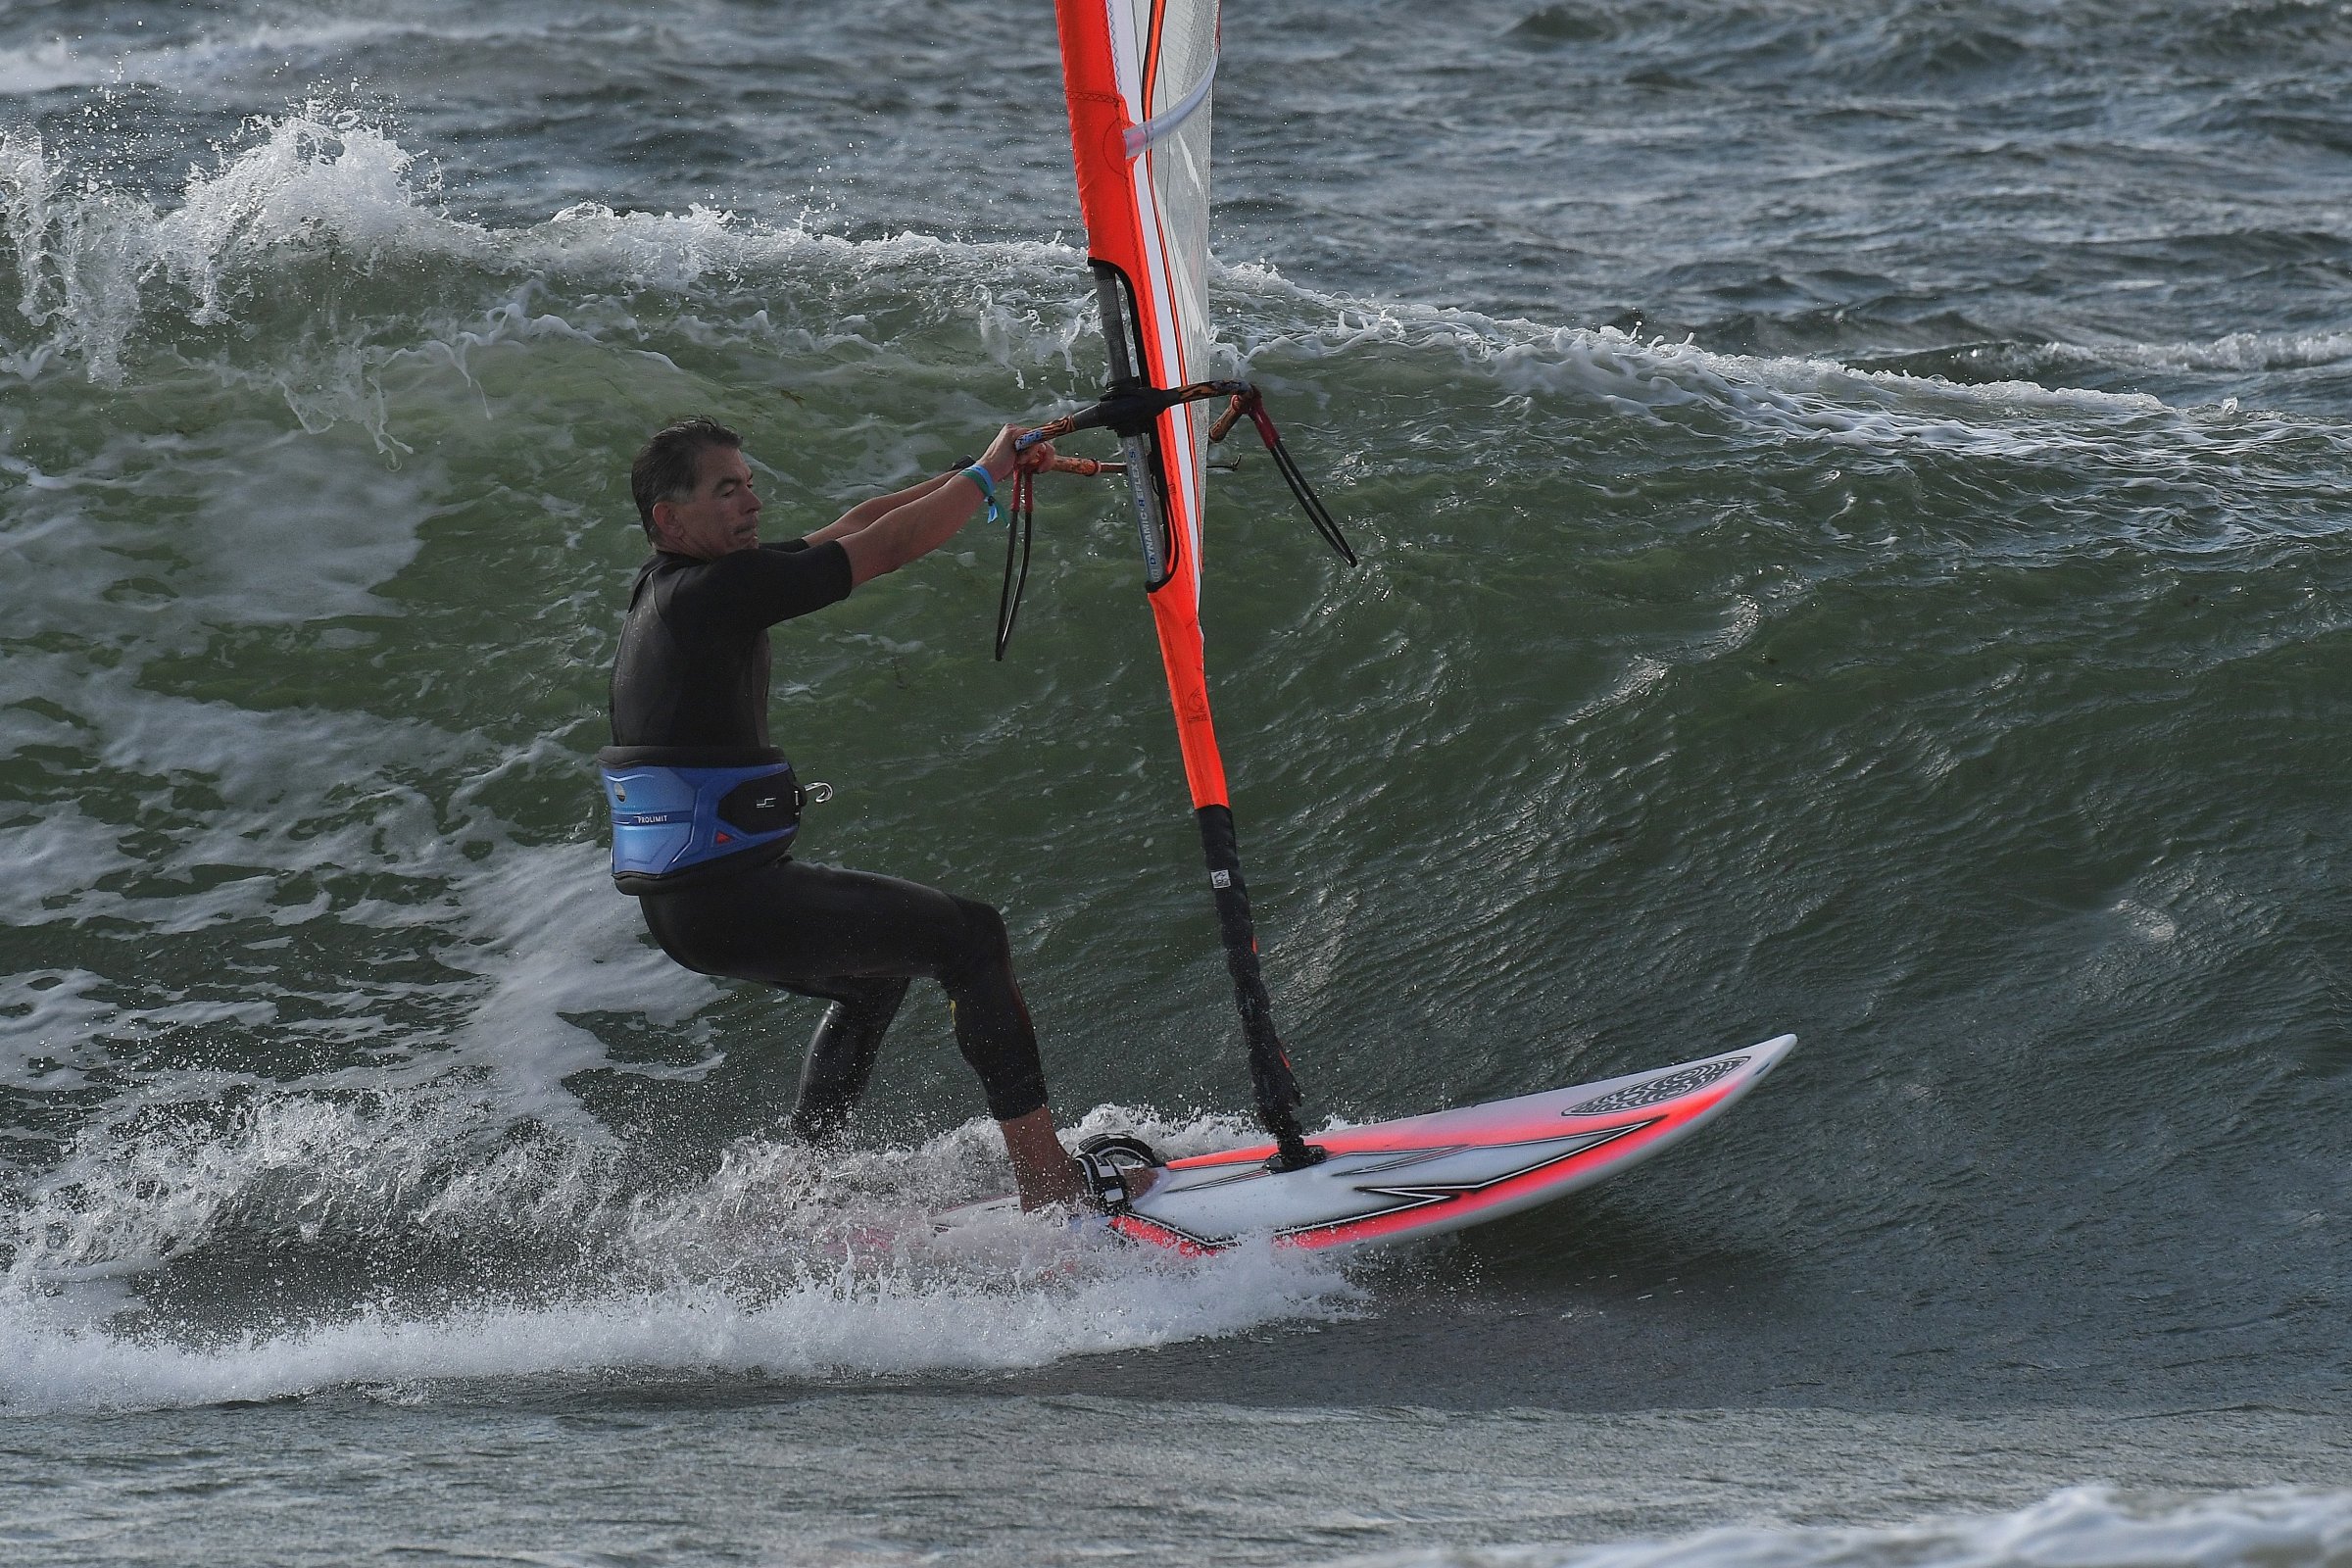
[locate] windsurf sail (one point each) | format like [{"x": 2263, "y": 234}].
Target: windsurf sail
[{"x": 1140, "y": 77}]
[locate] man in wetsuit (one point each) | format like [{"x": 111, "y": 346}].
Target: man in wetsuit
[{"x": 705, "y": 809}]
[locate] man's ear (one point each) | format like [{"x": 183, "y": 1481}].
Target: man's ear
[{"x": 665, "y": 516}]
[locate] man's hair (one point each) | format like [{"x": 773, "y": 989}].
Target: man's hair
[{"x": 666, "y": 465}]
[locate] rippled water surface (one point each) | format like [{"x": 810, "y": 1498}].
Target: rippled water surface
[{"x": 1852, "y": 507}]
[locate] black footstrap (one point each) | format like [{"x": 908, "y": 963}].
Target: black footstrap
[{"x": 1104, "y": 1160}]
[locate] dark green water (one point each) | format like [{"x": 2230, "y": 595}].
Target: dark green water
[{"x": 1854, "y": 543}]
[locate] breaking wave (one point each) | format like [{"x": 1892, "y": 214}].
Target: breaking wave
[
  {"x": 316, "y": 261},
  {"x": 396, "y": 1235}
]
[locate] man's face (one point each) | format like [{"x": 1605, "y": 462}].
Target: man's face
[{"x": 720, "y": 517}]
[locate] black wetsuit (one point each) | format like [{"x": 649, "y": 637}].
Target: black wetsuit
[{"x": 692, "y": 672}]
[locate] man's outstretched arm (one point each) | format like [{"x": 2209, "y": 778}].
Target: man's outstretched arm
[
  {"x": 917, "y": 520},
  {"x": 865, "y": 513}
]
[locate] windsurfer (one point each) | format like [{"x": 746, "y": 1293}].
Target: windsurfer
[{"x": 704, "y": 842}]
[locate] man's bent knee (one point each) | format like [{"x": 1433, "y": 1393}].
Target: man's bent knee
[{"x": 984, "y": 945}]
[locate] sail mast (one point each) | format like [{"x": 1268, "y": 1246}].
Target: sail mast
[{"x": 1139, "y": 75}]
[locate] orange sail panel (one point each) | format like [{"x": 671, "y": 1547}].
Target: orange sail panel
[{"x": 1139, "y": 74}]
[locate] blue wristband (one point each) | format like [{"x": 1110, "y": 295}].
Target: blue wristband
[{"x": 988, "y": 487}]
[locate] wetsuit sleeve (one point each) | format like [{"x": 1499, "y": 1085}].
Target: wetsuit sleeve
[{"x": 774, "y": 582}]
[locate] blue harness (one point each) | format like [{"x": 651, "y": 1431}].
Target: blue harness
[{"x": 683, "y": 814}]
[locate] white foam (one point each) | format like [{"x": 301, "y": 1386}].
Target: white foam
[
  {"x": 2237, "y": 351},
  {"x": 2081, "y": 1527},
  {"x": 446, "y": 1154},
  {"x": 84, "y": 259},
  {"x": 814, "y": 1328},
  {"x": 1655, "y": 380},
  {"x": 274, "y": 770},
  {"x": 775, "y": 1263},
  {"x": 542, "y": 950},
  {"x": 92, "y": 262},
  {"x": 95, "y": 264}
]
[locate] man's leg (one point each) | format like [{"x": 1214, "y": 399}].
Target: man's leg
[
  {"x": 842, "y": 1053},
  {"x": 812, "y": 928}
]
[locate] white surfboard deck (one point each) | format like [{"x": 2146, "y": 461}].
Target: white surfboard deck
[{"x": 1394, "y": 1180}]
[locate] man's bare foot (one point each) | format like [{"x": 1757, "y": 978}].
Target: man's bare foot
[{"x": 1042, "y": 1171}]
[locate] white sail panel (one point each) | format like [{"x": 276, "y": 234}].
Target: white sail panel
[{"x": 1166, "y": 52}]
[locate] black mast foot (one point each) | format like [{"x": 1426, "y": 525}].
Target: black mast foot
[{"x": 1291, "y": 1150}]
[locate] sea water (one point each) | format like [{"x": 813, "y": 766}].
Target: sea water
[{"x": 1852, "y": 499}]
